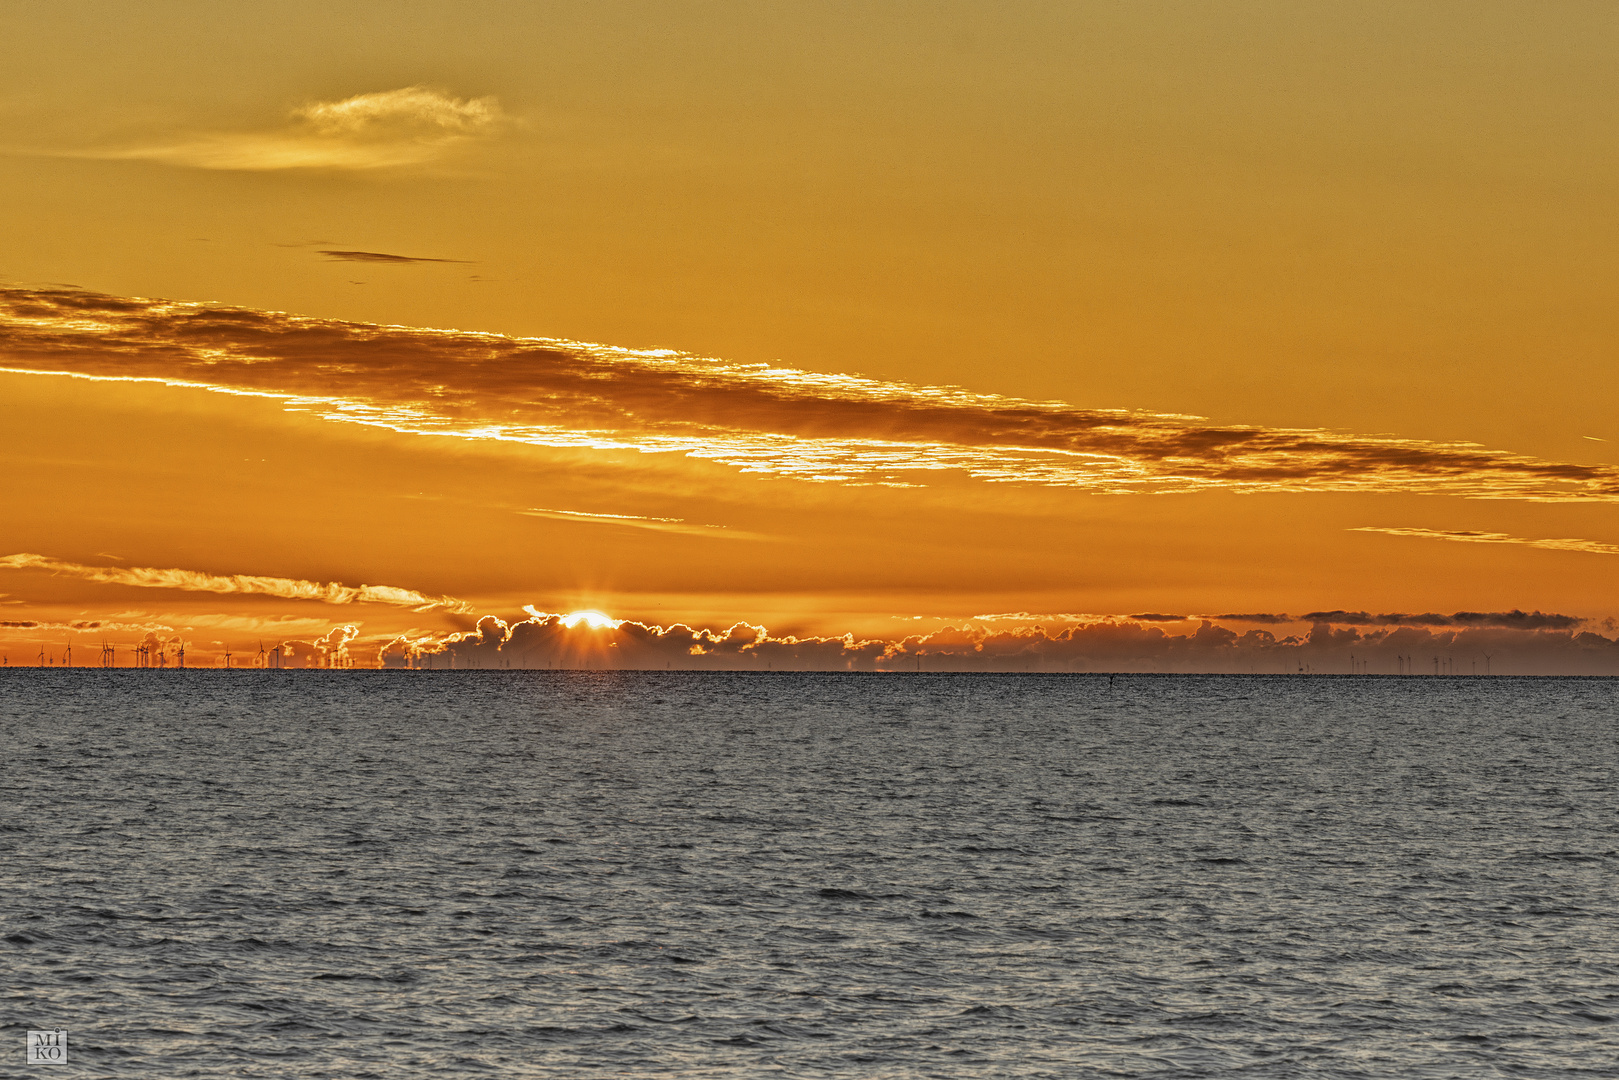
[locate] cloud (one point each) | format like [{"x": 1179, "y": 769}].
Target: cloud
[
  {"x": 331, "y": 650},
  {"x": 1028, "y": 619},
  {"x": 1031, "y": 618},
  {"x": 1518, "y": 645},
  {"x": 1511, "y": 620},
  {"x": 756, "y": 418},
  {"x": 105, "y": 626},
  {"x": 1514, "y": 642},
  {"x": 147, "y": 577},
  {"x": 1592, "y": 547},
  {"x": 392, "y": 128},
  {"x": 381, "y": 257},
  {"x": 566, "y": 514},
  {"x": 636, "y": 521}
]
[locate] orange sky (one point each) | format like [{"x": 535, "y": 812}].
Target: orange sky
[{"x": 909, "y": 315}]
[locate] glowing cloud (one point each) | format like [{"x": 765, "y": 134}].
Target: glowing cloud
[
  {"x": 753, "y": 417},
  {"x": 1592, "y": 547},
  {"x": 1514, "y": 641},
  {"x": 599, "y": 517},
  {"x": 638, "y": 521},
  {"x": 409, "y": 126},
  {"x": 146, "y": 577},
  {"x": 1517, "y": 642}
]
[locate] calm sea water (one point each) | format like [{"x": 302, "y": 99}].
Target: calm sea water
[{"x": 401, "y": 874}]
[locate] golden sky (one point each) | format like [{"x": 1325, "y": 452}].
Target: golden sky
[{"x": 1031, "y": 335}]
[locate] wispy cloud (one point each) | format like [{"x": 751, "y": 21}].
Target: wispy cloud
[
  {"x": 1592, "y": 547},
  {"x": 566, "y": 514},
  {"x": 410, "y": 126},
  {"x": 1507, "y": 620},
  {"x": 106, "y": 626},
  {"x": 147, "y": 577},
  {"x": 381, "y": 257},
  {"x": 1031, "y": 617},
  {"x": 757, "y": 418},
  {"x": 1050, "y": 618},
  {"x": 1501, "y": 620},
  {"x": 1466, "y": 536},
  {"x": 637, "y": 521}
]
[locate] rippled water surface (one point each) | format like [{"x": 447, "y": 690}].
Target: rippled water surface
[{"x": 704, "y": 875}]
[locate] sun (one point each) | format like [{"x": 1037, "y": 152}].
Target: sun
[{"x": 594, "y": 620}]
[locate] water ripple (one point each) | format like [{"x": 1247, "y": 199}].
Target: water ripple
[{"x": 707, "y": 875}]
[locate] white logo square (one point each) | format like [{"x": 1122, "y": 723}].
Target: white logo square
[{"x": 47, "y": 1047}]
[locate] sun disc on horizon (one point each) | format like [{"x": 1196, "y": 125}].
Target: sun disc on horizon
[{"x": 595, "y": 620}]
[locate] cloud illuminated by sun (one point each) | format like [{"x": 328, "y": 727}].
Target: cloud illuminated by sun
[
  {"x": 386, "y": 129},
  {"x": 592, "y": 619},
  {"x": 755, "y": 418}
]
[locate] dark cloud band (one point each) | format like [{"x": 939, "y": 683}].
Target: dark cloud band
[
  {"x": 1510, "y": 620},
  {"x": 754, "y": 417},
  {"x": 381, "y": 257}
]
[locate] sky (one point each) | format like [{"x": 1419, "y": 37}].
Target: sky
[{"x": 1251, "y": 337}]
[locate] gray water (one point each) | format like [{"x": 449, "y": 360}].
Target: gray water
[{"x": 410, "y": 874}]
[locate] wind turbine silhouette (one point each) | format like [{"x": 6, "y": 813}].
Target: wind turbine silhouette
[{"x": 264, "y": 660}]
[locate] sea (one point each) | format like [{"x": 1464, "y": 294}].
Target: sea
[{"x": 403, "y": 874}]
